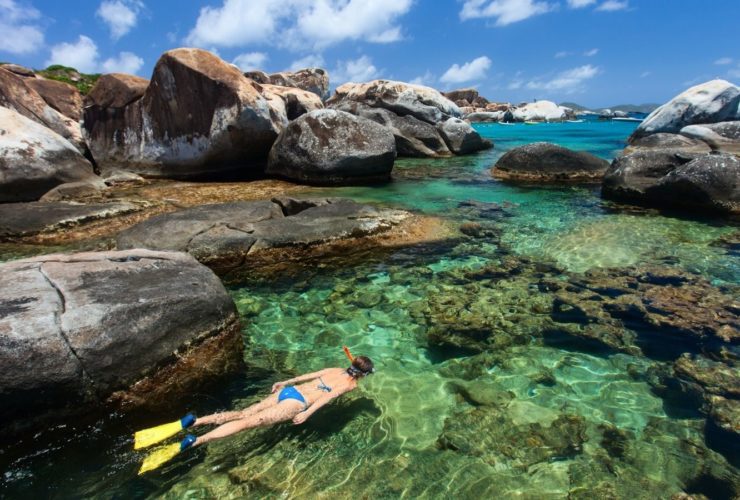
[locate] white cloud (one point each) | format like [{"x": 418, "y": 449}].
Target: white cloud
[
  {"x": 309, "y": 61},
  {"x": 578, "y": 4},
  {"x": 126, "y": 62},
  {"x": 645, "y": 74},
  {"x": 561, "y": 54},
  {"x": 426, "y": 79},
  {"x": 250, "y": 60},
  {"x": 591, "y": 53},
  {"x": 722, "y": 61},
  {"x": 20, "y": 33},
  {"x": 83, "y": 56},
  {"x": 298, "y": 23},
  {"x": 504, "y": 11},
  {"x": 472, "y": 70},
  {"x": 613, "y": 5},
  {"x": 515, "y": 85},
  {"x": 568, "y": 82},
  {"x": 119, "y": 15},
  {"x": 359, "y": 70}
]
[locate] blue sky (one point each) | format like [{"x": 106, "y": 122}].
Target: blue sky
[{"x": 595, "y": 52}]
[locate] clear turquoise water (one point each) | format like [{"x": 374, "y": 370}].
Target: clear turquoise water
[{"x": 524, "y": 420}]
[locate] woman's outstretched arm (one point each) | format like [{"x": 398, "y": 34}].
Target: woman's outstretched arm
[{"x": 300, "y": 378}]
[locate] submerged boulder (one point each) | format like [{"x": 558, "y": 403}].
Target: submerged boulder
[
  {"x": 333, "y": 147},
  {"x": 546, "y": 162},
  {"x": 134, "y": 327},
  {"x": 34, "y": 159},
  {"x": 18, "y": 95},
  {"x": 423, "y": 103},
  {"x": 199, "y": 117},
  {"x": 710, "y": 102}
]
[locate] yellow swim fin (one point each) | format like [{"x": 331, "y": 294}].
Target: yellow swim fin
[
  {"x": 153, "y": 435},
  {"x": 164, "y": 454}
]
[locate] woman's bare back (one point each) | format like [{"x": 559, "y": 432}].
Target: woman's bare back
[{"x": 336, "y": 379}]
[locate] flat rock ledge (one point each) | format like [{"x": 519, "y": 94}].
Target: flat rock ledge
[
  {"x": 228, "y": 236},
  {"x": 133, "y": 330},
  {"x": 546, "y": 162}
]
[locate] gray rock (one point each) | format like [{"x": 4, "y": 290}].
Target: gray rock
[
  {"x": 722, "y": 136},
  {"x": 546, "y": 162},
  {"x": 59, "y": 95},
  {"x": 711, "y": 102},
  {"x": 28, "y": 219},
  {"x": 414, "y": 138},
  {"x": 19, "y": 70},
  {"x": 630, "y": 175},
  {"x": 34, "y": 159},
  {"x": 333, "y": 147},
  {"x": 469, "y": 94},
  {"x": 423, "y": 103},
  {"x": 710, "y": 182},
  {"x": 76, "y": 328},
  {"x": 225, "y": 236},
  {"x": 72, "y": 190},
  {"x": 121, "y": 177},
  {"x": 461, "y": 138},
  {"x": 198, "y": 118},
  {"x": 314, "y": 80},
  {"x": 486, "y": 116},
  {"x": 663, "y": 140},
  {"x": 297, "y": 101}
]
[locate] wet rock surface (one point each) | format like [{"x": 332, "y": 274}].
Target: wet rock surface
[
  {"x": 546, "y": 162},
  {"x": 78, "y": 329},
  {"x": 226, "y": 236}
]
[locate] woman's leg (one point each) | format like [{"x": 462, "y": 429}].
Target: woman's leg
[
  {"x": 285, "y": 410},
  {"x": 228, "y": 416}
]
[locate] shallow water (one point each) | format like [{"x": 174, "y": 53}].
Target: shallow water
[{"x": 525, "y": 418}]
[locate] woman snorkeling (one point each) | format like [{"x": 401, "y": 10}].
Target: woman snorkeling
[{"x": 294, "y": 399}]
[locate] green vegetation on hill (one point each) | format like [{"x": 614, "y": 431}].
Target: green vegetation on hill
[{"x": 83, "y": 82}]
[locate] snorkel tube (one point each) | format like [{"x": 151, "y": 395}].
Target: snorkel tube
[{"x": 348, "y": 354}]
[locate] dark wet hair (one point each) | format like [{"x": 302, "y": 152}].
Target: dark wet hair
[{"x": 361, "y": 366}]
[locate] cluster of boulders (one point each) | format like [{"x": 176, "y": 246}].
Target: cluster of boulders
[
  {"x": 476, "y": 108},
  {"x": 201, "y": 118},
  {"x": 684, "y": 155}
]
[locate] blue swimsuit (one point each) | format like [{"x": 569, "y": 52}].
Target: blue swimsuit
[{"x": 290, "y": 392}]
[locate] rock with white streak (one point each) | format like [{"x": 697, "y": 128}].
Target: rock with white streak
[
  {"x": 711, "y": 102},
  {"x": 722, "y": 136},
  {"x": 199, "y": 118},
  {"x": 34, "y": 159}
]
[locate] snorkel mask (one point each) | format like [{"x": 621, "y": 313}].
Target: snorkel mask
[{"x": 353, "y": 370}]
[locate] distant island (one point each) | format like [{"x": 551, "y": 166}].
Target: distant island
[{"x": 646, "y": 108}]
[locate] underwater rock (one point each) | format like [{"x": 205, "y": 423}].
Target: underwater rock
[
  {"x": 714, "y": 377},
  {"x": 710, "y": 102},
  {"x": 332, "y": 147},
  {"x": 16, "y": 94},
  {"x": 134, "y": 328},
  {"x": 226, "y": 236},
  {"x": 27, "y": 219},
  {"x": 546, "y": 162},
  {"x": 199, "y": 117},
  {"x": 34, "y": 159}
]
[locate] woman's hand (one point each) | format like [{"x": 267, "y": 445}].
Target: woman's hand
[
  {"x": 277, "y": 386},
  {"x": 301, "y": 417}
]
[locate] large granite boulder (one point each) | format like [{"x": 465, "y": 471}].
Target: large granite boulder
[
  {"x": 18, "y": 95},
  {"x": 199, "y": 117},
  {"x": 423, "y": 103},
  {"x": 461, "y": 138},
  {"x": 722, "y": 136},
  {"x": 663, "y": 140},
  {"x": 546, "y": 162},
  {"x": 297, "y": 101},
  {"x": 710, "y": 182},
  {"x": 333, "y": 147},
  {"x": 314, "y": 80},
  {"x": 414, "y": 138},
  {"x": 546, "y": 111},
  {"x": 34, "y": 159},
  {"x": 59, "y": 95},
  {"x": 485, "y": 116},
  {"x": 675, "y": 178},
  {"x": 19, "y": 70},
  {"x": 711, "y": 102},
  {"x": 227, "y": 236},
  {"x": 115, "y": 91},
  {"x": 133, "y": 327}
]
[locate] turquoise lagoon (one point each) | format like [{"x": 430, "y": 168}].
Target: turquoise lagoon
[{"x": 524, "y": 419}]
